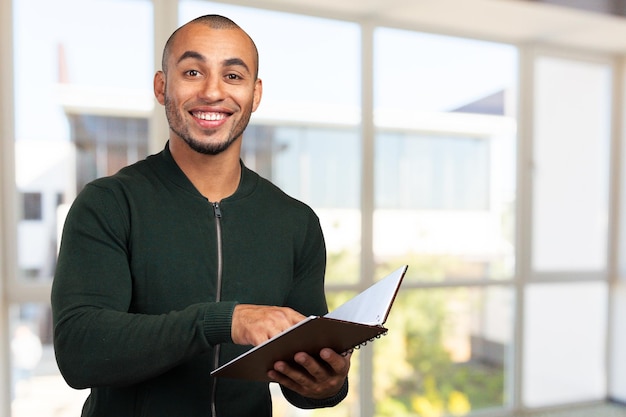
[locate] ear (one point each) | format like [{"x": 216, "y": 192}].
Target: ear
[
  {"x": 258, "y": 92},
  {"x": 159, "y": 87}
]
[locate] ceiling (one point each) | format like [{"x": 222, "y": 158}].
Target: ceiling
[{"x": 512, "y": 21}]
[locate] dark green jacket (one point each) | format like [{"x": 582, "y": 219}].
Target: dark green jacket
[{"x": 134, "y": 294}]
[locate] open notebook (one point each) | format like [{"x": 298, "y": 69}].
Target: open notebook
[{"x": 349, "y": 326}]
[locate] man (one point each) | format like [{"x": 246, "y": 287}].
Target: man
[{"x": 180, "y": 262}]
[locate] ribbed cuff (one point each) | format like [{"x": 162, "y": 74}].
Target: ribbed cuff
[
  {"x": 218, "y": 319},
  {"x": 332, "y": 401},
  {"x": 310, "y": 403}
]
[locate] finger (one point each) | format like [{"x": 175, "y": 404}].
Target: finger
[
  {"x": 285, "y": 382},
  {"x": 296, "y": 378},
  {"x": 252, "y": 325},
  {"x": 318, "y": 370},
  {"x": 340, "y": 364},
  {"x": 291, "y": 377}
]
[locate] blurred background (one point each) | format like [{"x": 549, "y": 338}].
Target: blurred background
[{"x": 478, "y": 141}]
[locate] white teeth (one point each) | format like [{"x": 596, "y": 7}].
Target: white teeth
[{"x": 209, "y": 116}]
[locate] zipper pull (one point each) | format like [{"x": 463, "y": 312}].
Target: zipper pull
[{"x": 217, "y": 211}]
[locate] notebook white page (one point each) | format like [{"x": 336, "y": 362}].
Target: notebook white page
[{"x": 372, "y": 305}]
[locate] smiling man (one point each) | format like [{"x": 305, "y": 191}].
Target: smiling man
[{"x": 182, "y": 261}]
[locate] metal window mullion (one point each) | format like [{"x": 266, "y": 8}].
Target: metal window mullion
[
  {"x": 366, "y": 356},
  {"x": 615, "y": 208},
  {"x": 7, "y": 196},
  {"x": 524, "y": 218}
]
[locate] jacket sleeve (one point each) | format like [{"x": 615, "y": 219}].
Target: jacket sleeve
[
  {"x": 97, "y": 341},
  {"x": 307, "y": 293}
]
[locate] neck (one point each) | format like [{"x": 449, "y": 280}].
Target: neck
[{"x": 214, "y": 176}]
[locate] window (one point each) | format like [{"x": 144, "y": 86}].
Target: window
[
  {"x": 569, "y": 233},
  {"x": 432, "y": 172},
  {"x": 443, "y": 195},
  {"x": 552, "y": 343}
]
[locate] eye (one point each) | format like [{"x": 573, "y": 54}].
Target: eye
[
  {"x": 233, "y": 77},
  {"x": 192, "y": 73}
]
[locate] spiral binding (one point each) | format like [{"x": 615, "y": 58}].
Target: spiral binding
[{"x": 360, "y": 345}]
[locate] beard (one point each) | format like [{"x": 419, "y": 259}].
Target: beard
[{"x": 178, "y": 126}]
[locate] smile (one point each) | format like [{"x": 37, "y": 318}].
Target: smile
[{"x": 212, "y": 116}]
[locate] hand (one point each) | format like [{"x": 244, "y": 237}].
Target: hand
[
  {"x": 317, "y": 379},
  {"x": 254, "y": 324}
]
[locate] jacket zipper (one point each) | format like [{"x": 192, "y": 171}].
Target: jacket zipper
[{"x": 217, "y": 212}]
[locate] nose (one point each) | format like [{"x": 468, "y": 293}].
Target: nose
[{"x": 212, "y": 88}]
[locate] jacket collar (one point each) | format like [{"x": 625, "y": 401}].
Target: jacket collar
[{"x": 170, "y": 170}]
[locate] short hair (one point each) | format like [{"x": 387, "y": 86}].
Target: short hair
[{"x": 214, "y": 21}]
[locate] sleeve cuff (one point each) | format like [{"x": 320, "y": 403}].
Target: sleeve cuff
[
  {"x": 310, "y": 403},
  {"x": 217, "y": 324}
]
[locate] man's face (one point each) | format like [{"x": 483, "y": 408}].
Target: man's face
[{"x": 210, "y": 89}]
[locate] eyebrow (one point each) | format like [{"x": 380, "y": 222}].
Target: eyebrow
[
  {"x": 199, "y": 57},
  {"x": 236, "y": 62},
  {"x": 191, "y": 55}
]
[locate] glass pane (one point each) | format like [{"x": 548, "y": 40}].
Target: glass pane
[
  {"x": 306, "y": 139},
  {"x": 564, "y": 344},
  {"x": 570, "y": 201},
  {"x": 447, "y": 352},
  {"x": 37, "y": 388},
  {"x": 91, "y": 78},
  {"x": 432, "y": 172},
  {"x": 444, "y": 156},
  {"x": 420, "y": 72}
]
